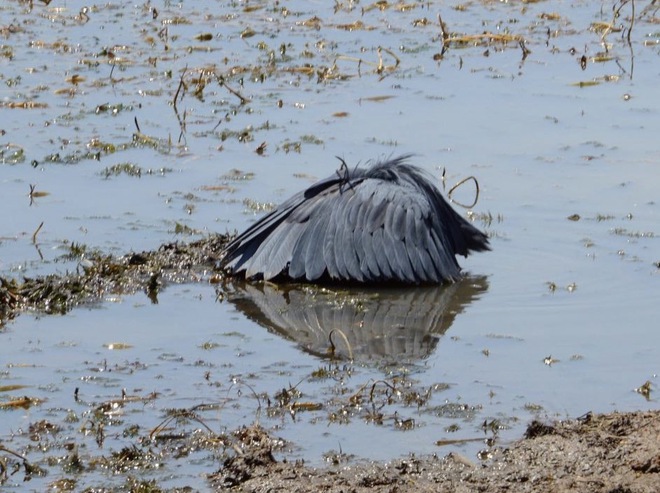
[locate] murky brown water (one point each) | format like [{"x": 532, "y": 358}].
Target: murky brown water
[{"x": 570, "y": 131}]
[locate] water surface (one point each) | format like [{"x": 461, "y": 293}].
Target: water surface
[{"x": 559, "y": 319}]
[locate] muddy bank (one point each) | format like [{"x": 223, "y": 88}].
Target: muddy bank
[
  {"x": 615, "y": 452},
  {"x": 99, "y": 274}
]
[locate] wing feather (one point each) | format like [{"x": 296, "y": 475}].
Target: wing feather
[
  {"x": 327, "y": 250},
  {"x": 381, "y": 259},
  {"x": 241, "y": 250},
  {"x": 353, "y": 249},
  {"x": 344, "y": 249},
  {"x": 376, "y": 207},
  {"x": 272, "y": 256},
  {"x": 369, "y": 263},
  {"x": 315, "y": 264}
]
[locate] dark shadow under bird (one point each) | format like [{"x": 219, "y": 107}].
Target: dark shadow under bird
[{"x": 386, "y": 223}]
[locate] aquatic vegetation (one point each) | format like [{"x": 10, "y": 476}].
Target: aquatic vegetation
[{"x": 101, "y": 274}]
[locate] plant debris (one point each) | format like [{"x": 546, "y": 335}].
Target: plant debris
[{"x": 102, "y": 274}]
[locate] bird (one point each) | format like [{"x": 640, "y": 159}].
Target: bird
[{"x": 382, "y": 224}]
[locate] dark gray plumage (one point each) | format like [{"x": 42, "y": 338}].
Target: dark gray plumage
[{"x": 385, "y": 223}]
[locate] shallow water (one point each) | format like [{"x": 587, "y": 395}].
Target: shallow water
[{"x": 581, "y": 292}]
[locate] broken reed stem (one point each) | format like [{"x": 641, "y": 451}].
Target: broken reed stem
[
  {"x": 632, "y": 20},
  {"x": 36, "y": 232},
  {"x": 178, "y": 90},
  {"x": 462, "y": 182},
  {"x": 470, "y": 38},
  {"x": 445, "y": 35},
  {"x": 525, "y": 50},
  {"x": 182, "y": 85},
  {"x": 222, "y": 83},
  {"x": 343, "y": 336},
  {"x": 380, "y": 66}
]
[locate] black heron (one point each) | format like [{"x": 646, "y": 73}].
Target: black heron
[{"x": 383, "y": 224}]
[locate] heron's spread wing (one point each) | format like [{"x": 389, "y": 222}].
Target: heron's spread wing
[
  {"x": 374, "y": 231},
  {"x": 382, "y": 225},
  {"x": 265, "y": 249}
]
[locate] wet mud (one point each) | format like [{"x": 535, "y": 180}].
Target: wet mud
[{"x": 598, "y": 453}]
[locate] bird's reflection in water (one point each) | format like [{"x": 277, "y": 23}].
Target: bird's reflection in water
[{"x": 383, "y": 324}]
